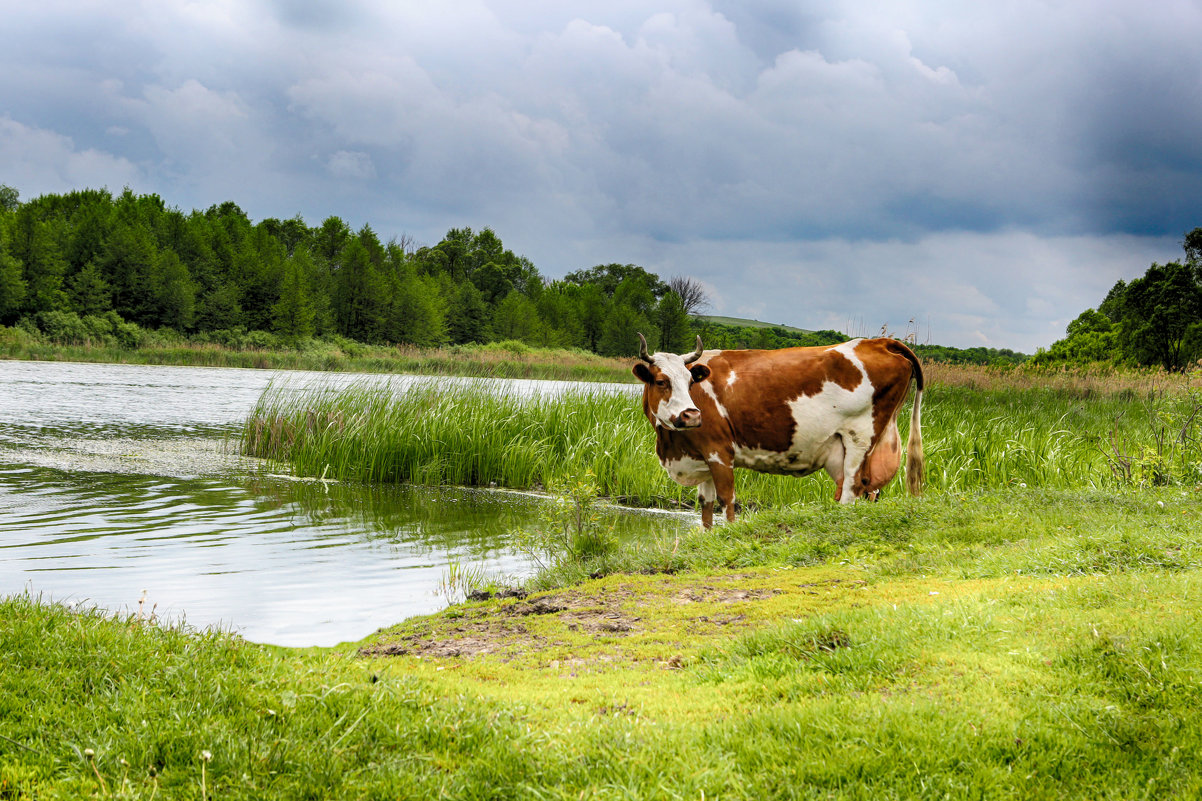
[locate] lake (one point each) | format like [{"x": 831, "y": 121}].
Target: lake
[{"x": 121, "y": 487}]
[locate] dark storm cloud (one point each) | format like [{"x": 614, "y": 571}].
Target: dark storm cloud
[{"x": 990, "y": 169}]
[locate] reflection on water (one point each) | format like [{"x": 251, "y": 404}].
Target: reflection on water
[
  {"x": 278, "y": 561},
  {"x": 116, "y": 480}
]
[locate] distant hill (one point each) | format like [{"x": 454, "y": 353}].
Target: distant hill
[
  {"x": 739, "y": 332},
  {"x": 745, "y": 323}
]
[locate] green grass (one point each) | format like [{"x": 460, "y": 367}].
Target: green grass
[
  {"x": 974, "y": 439},
  {"x": 743, "y": 322},
  {"x": 988, "y": 640},
  {"x": 1005, "y": 644},
  {"x": 495, "y": 360}
]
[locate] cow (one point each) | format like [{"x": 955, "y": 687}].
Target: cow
[{"x": 791, "y": 411}]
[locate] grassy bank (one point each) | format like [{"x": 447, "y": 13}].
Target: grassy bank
[
  {"x": 1006, "y": 644},
  {"x": 496, "y": 360},
  {"x": 981, "y": 429},
  {"x": 1027, "y": 629}
]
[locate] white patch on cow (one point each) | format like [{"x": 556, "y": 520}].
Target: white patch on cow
[
  {"x": 687, "y": 471},
  {"x": 850, "y": 411},
  {"x": 730, "y": 381},
  {"x": 716, "y": 457},
  {"x": 677, "y": 373},
  {"x": 708, "y": 389},
  {"x": 707, "y": 492},
  {"x": 832, "y": 428},
  {"x": 848, "y": 349}
]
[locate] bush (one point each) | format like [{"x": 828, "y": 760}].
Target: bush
[
  {"x": 17, "y": 336},
  {"x": 508, "y": 346},
  {"x": 100, "y": 329},
  {"x": 570, "y": 528},
  {"x": 64, "y": 328}
]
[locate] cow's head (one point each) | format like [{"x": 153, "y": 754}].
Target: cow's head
[{"x": 666, "y": 378}]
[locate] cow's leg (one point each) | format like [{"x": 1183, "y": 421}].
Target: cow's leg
[
  {"x": 882, "y": 463},
  {"x": 834, "y": 466},
  {"x": 723, "y": 478},
  {"x": 706, "y": 493},
  {"x": 855, "y": 449}
]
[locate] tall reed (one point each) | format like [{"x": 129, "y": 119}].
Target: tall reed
[{"x": 466, "y": 434}]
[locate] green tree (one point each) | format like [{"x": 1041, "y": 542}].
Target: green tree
[
  {"x": 12, "y": 286},
  {"x": 675, "y": 332},
  {"x": 128, "y": 264},
  {"x": 592, "y": 309},
  {"x": 467, "y": 317},
  {"x": 359, "y": 301},
  {"x": 330, "y": 239},
  {"x": 9, "y": 198},
  {"x": 608, "y": 277},
  {"x": 491, "y": 281},
  {"x": 516, "y": 317},
  {"x": 1161, "y": 311},
  {"x": 292, "y": 315},
  {"x": 631, "y": 311},
  {"x": 1092, "y": 337},
  {"x": 34, "y": 246},
  {"x": 218, "y": 309},
  {"x": 174, "y": 293},
  {"x": 1193, "y": 246},
  {"x": 416, "y": 315},
  {"x": 89, "y": 292}
]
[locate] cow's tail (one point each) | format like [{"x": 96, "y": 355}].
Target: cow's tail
[{"x": 915, "y": 464}]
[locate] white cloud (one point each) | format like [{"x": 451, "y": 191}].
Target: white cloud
[
  {"x": 354, "y": 165},
  {"x": 991, "y": 167},
  {"x": 1006, "y": 290},
  {"x": 37, "y": 161}
]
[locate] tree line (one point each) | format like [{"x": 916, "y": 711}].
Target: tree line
[
  {"x": 92, "y": 261},
  {"x": 1151, "y": 321},
  {"x": 92, "y": 267}
]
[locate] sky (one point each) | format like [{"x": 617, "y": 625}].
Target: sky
[{"x": 974, "y": 174}]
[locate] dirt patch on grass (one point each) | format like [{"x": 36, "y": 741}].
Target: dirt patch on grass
[
  {"x": 574, "y": 621},
  {"x": 725, "y": 595},
  {"x": 470, "y": 639}
]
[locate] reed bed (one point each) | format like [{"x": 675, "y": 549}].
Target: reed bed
[
  {"x": 1049, "y": 437},
  {"x": 462, "y": 434}
]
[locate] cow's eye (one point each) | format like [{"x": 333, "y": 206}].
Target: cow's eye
[{"x": 661, "y": 383}]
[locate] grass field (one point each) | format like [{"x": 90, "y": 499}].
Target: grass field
[
  {"x": 1026, "y": 629},
  {"x": 1009, "y": 644},
  {"x": 743, "y": 322}
]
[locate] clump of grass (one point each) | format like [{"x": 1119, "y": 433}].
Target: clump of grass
[{"x": 463, "y": 434}]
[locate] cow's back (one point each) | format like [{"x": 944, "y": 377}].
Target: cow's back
[{"x": 772, "y": 400}]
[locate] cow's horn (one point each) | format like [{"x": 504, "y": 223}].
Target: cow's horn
[
  {"x": 695, "y": 355},
  {"x": 643, "y": 350}
]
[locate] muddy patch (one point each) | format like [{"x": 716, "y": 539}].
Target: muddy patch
[
  {"x": 520, "y": 626},
  {"x": 724, "y": 595},
  {"x": 468, "y": 640}
]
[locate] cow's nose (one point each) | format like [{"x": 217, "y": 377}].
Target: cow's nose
[{"x": 689, "y": 418}]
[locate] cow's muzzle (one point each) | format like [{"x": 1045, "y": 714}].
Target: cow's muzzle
[{"x": 689, "y": 418}]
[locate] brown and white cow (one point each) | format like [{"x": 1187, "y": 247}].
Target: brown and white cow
[{"x": 792, "y": 411}]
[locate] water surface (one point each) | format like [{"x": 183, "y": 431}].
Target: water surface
[{"x": 120, "y": 486}]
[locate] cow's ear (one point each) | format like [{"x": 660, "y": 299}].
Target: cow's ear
[
  {"x": 642, "y": 373},
  {"x": 700, "y": 372}
]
